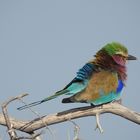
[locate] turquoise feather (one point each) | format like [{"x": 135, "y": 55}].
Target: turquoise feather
[{"x": 106, "y": 98}]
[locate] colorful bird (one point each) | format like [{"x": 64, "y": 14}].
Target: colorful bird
[{"x": 99, "y": 81}]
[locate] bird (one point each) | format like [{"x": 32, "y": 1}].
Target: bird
[{"x": 99, "y": 81}]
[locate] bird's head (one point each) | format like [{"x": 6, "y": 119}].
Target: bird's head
[
  {"x": 113, "y": 56},
  {"x": 117, "y": 52}
]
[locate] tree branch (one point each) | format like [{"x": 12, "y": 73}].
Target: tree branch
[
  {"x": 114, "y": 108},
  {"x": 11, "y": 131}
]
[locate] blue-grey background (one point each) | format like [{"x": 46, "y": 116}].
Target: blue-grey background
[{"x": 44, "y": 42}]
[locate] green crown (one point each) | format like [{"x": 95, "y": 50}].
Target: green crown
[{"x": 115, "y": 48}]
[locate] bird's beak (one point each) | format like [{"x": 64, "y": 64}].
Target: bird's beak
[{"x": 131, "y": 57}]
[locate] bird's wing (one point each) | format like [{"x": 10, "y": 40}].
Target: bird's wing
[
  {"x": 81, "y": 80},
  {"x": 103, "y": 87}
]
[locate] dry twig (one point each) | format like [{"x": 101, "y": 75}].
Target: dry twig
[{"x": 98, "y": 125}]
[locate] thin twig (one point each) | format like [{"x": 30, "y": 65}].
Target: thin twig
[
  {"x": 98, "y": 125},
  {"x": 76, "y": 130}
]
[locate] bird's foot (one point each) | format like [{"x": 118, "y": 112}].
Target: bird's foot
[{"x": 117, "y": 101}]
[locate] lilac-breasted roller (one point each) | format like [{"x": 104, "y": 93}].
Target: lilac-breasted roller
[{"x": 99, "y": 81}]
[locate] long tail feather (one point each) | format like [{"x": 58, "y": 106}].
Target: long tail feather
[
  {"x": 29, "y": 105},
  {"x": 44, "y": 100},
  {"x": 61, "y": 92}
]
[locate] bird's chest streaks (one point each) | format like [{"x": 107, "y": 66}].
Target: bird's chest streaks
[{"x": 101, "y": 83}]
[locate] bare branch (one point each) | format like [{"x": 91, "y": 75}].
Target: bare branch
[
  {"x": 11, "y": 131},
  {"x": 114, "y": 108},
  {"x": 98, "y": 125}
]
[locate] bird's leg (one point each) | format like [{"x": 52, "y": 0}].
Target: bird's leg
[
  {"x": 117, "y": 101},
  {"x": 98, "y": 125}
]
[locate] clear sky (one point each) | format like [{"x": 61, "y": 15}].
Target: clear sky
[{"x": 44, "y": 42}]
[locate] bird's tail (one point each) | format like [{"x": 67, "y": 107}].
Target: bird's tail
[{"x": 44, "y": 100}]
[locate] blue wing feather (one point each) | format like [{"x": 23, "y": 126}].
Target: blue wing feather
[
  {"x": 80, "y": 82},
  {"x": 85, "y": 72}
]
